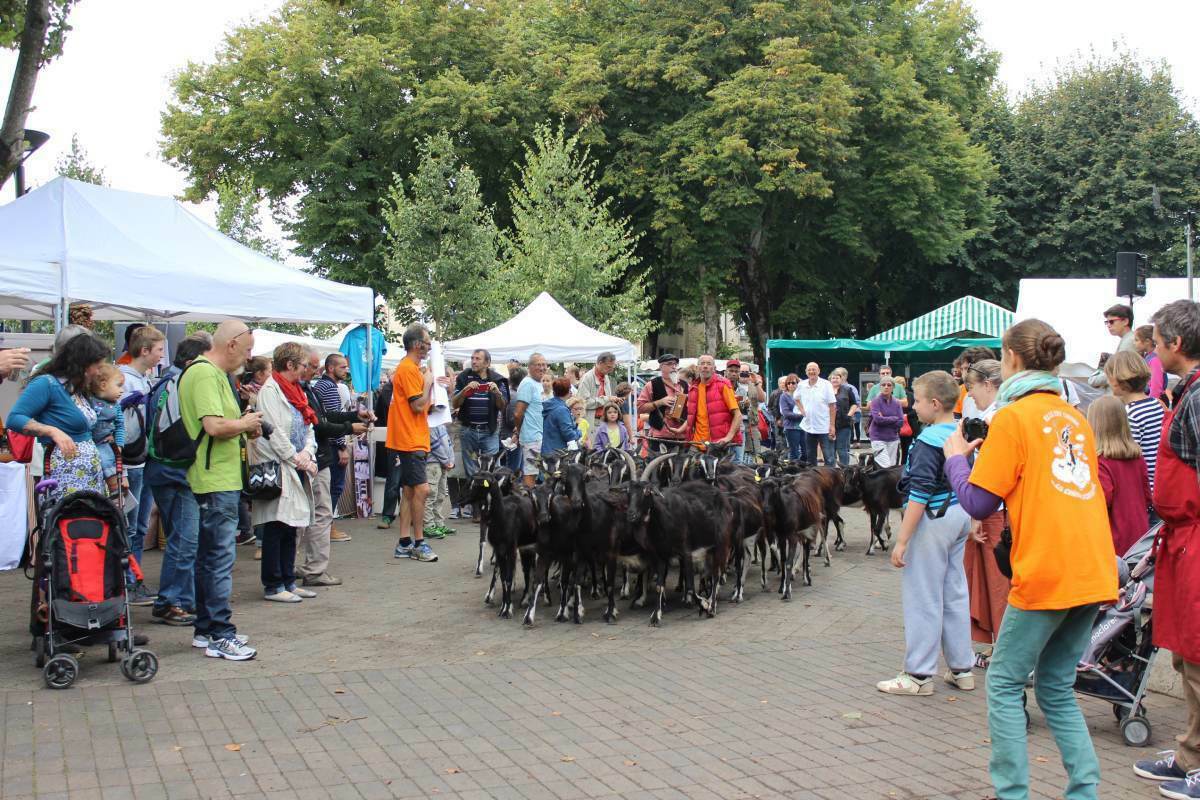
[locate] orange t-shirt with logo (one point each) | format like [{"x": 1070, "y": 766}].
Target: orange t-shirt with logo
[
  {"x": 700, "y": 428},
  {"x": 1040, "y": 457},
  {"x": 407, "y": 431}
]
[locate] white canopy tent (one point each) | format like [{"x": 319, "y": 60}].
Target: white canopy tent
[
  {"x": 1075, "y": 307},
  {"x": 543, "y": 327},
  {"x": 138, "y": 256}
]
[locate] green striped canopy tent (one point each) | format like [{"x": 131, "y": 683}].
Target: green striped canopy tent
[{"x": 966, "y": 318}]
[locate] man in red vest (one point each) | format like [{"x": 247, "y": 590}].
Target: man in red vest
[
  {"x": 1177, "y": 571},
  {"x": 713, "y": 415}
]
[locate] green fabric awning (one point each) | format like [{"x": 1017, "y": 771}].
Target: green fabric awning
[
  {"x": 966, "y": 315},
  {"x": 912, "y": 356},
  {"x": 905, "y": 346}
]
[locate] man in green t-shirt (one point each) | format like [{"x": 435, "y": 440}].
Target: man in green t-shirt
[
  {"x": 207, "y": 401},
  {"x": 898, "y": 392}
]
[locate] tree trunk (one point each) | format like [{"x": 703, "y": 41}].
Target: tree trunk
[
  {"x": 712, "y": 319},
  {"x": 756, "y": 295},
  {"x": 20, "y": 95}
]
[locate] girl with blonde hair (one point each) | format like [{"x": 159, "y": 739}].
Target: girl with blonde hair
[{"x": 1122, "y": 472}]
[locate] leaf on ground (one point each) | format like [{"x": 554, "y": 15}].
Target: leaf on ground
[
  {"x": 176, "y": 748},
  {"x": 233, "y": 748},
  {"x": 452, "y": 770},
  {"x": 629, "y": 763},
  {"x": 339, "y": 691},
  {"x": 481, "y": 652},
  {"x": 852, "y": 715},
  {"x": 1041, "y": 759},
  {"x": 567, "y": 759},
  {"x": 595, "y": 636},
  {"x": 556, "y": 713},
  {"x": 951, "y": 699}
]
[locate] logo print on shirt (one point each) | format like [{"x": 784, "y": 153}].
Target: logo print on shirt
[{"x": 1071, "y": 473}]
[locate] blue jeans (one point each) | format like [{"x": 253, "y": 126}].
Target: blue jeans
[
  {"x": 513, "y": 460},
  {"x": 215, "y": 554},
  {"x": 739, "y": 453},
  {"x": 337, "y": 482},
  {"x": 278, "y": 566},
  {"x": 138, "y": 518},
  {"x": 180, "y": 518},
  {"x": 795, "y": 442},
  {"x": 1048, "y": 643},
  {"x": 842, "y": 446},
  {"x": 814, "y": 440},
  {"x": 476, "y": 443}
]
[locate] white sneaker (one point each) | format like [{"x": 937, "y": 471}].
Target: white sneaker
[
  {"x": 200, "y": 641},
  {"x": 961, "y": 680},
  {"x": 305, "y": 594},
  {"x": 906, "y": 684},
  {"x": 283, "y": 597},
  {"x": 231, "y": 649}
]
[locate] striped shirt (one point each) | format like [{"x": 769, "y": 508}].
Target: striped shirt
[{"x": 1146, "y": 423}]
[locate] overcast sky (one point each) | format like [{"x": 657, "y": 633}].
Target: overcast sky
[{"x": 112, "y": 82}]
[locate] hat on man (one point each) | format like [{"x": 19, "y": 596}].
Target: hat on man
[
  {"x": 733, "y": 362},
  {"x": 668, "y": 358}
]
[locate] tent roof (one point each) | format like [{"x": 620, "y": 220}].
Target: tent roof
[
  {"x": 543, "y": 327},
  {"x": 907, "y": 346},
  {"x": 1075, "y": 307},
  {"x": 134, "y": 255},
  {"x": 965, "y": 315}
]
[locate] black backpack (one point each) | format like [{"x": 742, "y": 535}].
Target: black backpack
[{"x": 167, "y": 438}]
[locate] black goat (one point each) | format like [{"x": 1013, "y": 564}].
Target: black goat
[
  {"x": 794, "y": 508},
  {"x": 876, "y": 489},
  {"x": 511, "y": 523},
  {"x": 560, "y": 516}
]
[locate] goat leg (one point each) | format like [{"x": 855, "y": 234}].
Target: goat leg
[
  {"x": 788, "y": 566},
  {"x": 641, "y": 590},
  {"x": 527, "y": 562},
  {"x": 610, "y": 613},
  {"x": 508, "y": 567},
  {"x": 491, "y": 592},
  {"x": 807, "y": 571},
  {"x": 624, "y": 583},
  {"x": 530, "y": 612},
  {"x": 839, "y": 544},
  {"x": 482, "y": 541},
  {"x": 660, "y": 584},
  {"x": 577, "y": 609}
]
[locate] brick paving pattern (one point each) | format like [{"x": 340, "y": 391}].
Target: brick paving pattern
[{"x": 402, "y": 684}]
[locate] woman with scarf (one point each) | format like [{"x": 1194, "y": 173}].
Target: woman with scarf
[
  {"x": 292, "y": 443},
  {"x": 1040, "y": 461}
]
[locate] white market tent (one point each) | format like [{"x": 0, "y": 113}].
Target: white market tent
[
  {"x": 1075, "y": 307},
  {"x": 139, "y": 256},
  {"x": 543, "y": 327},
  {"x": 266, "y": 341}
]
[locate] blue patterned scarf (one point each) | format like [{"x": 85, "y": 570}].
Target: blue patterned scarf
[{"x": 1025, "y": 382}]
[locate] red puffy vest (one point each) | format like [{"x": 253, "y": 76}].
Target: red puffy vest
[{"x": 719, "y": 417}]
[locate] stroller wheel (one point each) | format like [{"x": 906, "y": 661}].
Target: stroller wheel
[
  {"x": 1136, "y": 731},
  {"x": 61, "y": 671},
  {"x": 140, "y": 666}
]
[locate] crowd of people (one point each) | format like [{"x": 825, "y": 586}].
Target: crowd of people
[{"x": 1016, "y": 502}]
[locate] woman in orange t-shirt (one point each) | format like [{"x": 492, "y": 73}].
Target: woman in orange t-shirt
[{"x": 1040, "y": 461}]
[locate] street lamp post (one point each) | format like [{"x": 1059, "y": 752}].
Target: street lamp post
[{"x": 32, "y": 140}]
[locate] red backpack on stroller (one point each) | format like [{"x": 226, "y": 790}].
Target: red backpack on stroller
[{"x": 79, "y": 589}]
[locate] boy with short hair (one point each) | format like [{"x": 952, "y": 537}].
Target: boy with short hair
[
  {"x": 441, "y": 461},
  {"x": 937, "y": 613}
]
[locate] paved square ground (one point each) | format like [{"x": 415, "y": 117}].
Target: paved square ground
[{"x": 401, "y": 683}]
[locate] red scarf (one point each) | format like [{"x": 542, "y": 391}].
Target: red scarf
[{"x": 296, "y": 396}]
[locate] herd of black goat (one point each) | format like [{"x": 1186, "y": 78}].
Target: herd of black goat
[{"x": 606, "y": 518}]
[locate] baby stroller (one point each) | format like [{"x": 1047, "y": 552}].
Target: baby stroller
[
  {"x": 79, "y": 595},
  {"x": 1116, "y": 664}
]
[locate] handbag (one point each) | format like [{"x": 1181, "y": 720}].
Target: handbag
[
  {"x": 262, "y": 480},
  {"x": 1003, "y": 550},
  {"x": 906, "y": 429}
]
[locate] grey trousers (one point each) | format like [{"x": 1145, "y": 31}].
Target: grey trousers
[
  {"x": 313, "y": 545},
  {"x": 439, "y": 494},
  {"x": 937, "y": 608}
]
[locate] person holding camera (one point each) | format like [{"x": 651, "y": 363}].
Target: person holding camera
[
  {"x": 207, "y": 403},
  {"x": 987, "y": 586},
  {"x": 480, "y": 396},
  {"x": 1039, "y": 460}
]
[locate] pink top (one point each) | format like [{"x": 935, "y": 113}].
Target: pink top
[{"x": 1158, "y": 377}]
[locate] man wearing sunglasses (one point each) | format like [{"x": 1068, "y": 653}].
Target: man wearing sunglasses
[{"x": 1119, "y": 322}]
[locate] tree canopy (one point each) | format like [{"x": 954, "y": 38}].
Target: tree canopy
[
  {"x": 819, "y": 168},
  {"x": 76, "y": 165}
]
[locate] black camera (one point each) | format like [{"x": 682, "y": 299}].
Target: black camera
[
  {"x": 267, "y": 428},
  {"x": 974, "y": 428}
]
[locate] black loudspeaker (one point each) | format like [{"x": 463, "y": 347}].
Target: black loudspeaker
[{"x": 1132, "y": 269}]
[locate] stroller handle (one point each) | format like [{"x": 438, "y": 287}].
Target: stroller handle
[{"x": 45, "y": 485}]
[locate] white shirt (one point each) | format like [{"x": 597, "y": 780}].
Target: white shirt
[{"x": 815, "y": 400}]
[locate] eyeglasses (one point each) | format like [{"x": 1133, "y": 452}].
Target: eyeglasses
[
  {"x": 789, "y": 383},
  {"x": 1113, "y": 321}
]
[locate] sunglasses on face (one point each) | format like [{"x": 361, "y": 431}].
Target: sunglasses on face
[{"x": 1113, "y": 321}]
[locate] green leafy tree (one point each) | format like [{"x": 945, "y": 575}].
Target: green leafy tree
[
  {"x": 567, "y": 241},
  {"x": 442, "y": 245},
  {"x": 1080, "y": 161},
  {"x": 76, "y": 165},
  {"x": 35, "y": 29},
  {"x": 238, "y": 215}
]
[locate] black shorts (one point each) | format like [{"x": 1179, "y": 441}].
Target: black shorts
[{"x": 411, "y": 466}]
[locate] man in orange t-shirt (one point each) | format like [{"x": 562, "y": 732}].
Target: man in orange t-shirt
[
  {"x": 698, "y": 418},
  {"x": 408, "y": 445}
]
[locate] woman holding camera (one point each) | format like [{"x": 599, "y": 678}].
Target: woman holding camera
[
  {"x": 1040, "y": 462},
  {"x": 987, "y": 585}
]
